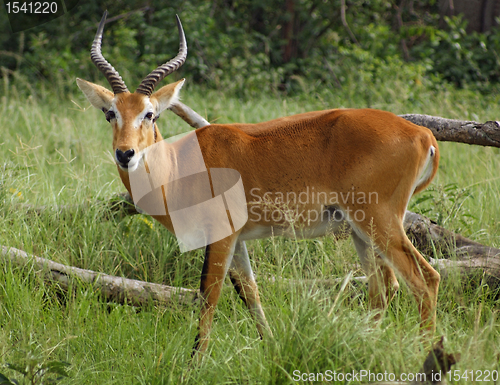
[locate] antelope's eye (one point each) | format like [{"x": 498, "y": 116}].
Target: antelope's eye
[
  {"x": 149, "y": 115},
  {"x": 110, "y": 115}
]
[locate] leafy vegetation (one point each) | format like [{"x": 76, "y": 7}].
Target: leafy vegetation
[
  {"x": 245, "y": 47},
  {"x": 35, "y": 368}
]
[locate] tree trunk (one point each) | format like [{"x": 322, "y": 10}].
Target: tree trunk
[
  {"x": 477, "y": 263},
  {"x": 451, "y": 130},
  {"x": 472, "y": 260},
  {"x": 115, "y": 289},
  {"x": 290, "y": 47},
  {"x": 445, "y": 130},
  {"x": 459, "y": 254},
  {"x": 480, "y": 14}
]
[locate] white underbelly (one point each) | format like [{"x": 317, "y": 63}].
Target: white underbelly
[{"x": 315, "y": 230}]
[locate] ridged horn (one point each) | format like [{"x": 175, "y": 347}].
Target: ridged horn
[
  {"x": 149, "y": 83},
  {"x": 113, "y": 77}
]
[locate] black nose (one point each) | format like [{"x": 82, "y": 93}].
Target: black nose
[{"x": 124, "y": 157}]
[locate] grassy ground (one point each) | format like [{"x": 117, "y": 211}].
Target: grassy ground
[{"x": 57, "y": 152}]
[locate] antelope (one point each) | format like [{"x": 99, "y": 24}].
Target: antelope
[{"x": 355, "y": 167}]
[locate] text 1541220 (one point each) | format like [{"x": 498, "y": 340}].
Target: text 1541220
[{"x": 36, "y": 7}]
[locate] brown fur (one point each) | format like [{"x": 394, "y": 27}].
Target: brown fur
[{"x": 341, "y": 152}]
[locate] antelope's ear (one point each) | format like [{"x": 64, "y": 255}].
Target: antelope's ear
[
  {"x": 166, "y": 96},
  {"x": 98, "y": 96}
]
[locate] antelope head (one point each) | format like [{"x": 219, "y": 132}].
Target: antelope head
[{"x": 132, "y": 115}]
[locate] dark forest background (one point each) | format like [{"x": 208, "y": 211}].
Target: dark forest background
[{"x": 245, "y": 46}]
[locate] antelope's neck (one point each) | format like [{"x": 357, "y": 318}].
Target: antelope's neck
[{"x": 124, "y": 176}]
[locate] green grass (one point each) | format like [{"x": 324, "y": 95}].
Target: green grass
[{"x": 57, "y": 152}]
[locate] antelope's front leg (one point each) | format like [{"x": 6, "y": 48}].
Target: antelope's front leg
[{"x": 218, "y": 257}]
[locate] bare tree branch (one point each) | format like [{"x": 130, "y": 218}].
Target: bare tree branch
[
  {"x": 344, "y": 22},
  {"x": 116, "y": 289},
  {"x": 445, "y": 130},
  {"x": 188, "y": 115},
  {"x": 399, "y": 21},
  {"x": 451, "y": 130},
  {"x": 471, "y": 259},
  {"x": 459, "y": 254}
]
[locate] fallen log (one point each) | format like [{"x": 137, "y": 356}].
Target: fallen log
[
  {"x": 475, "y": 262},
  {"x": 115, "y": 289},
  {"x": 138, "y": 293},
  {"x": 457, "y": 253},
  {"x": 461, "y": 131},
  {"x": 445, "y": 130}
]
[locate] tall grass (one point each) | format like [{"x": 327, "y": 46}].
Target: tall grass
[{"x": 57, "y": 152}]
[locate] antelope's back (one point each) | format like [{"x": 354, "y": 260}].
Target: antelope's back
[{"x": 318, "y": 146}]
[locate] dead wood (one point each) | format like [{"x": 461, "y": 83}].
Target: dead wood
[
  {"x": 477, "y": 263},
  {"x": 116, "y": 289},
  {"x": 459, "y": 254},
  {"x": 456, "y": 253},
  {"x": 188, "y": 115},
  {"x": 451, "y": 130},
  {"x": 445, "y": 130}
]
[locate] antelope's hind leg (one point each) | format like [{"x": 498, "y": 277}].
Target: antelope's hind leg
[
  {"x": 399, "y": 253},
  {"x": 382, "y": 282},
  {"x": 420, "y": 276},
  {"x": 243, "y": 280}
]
